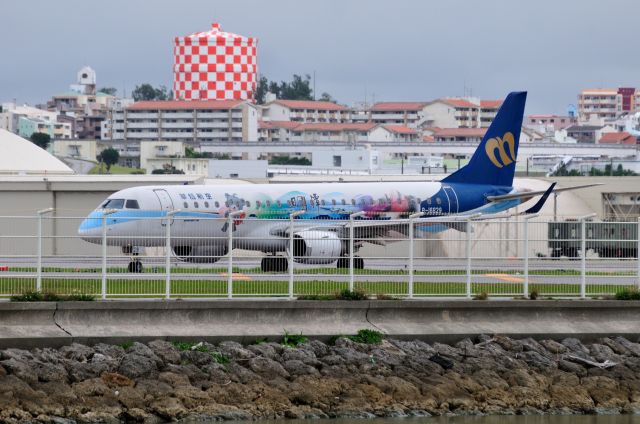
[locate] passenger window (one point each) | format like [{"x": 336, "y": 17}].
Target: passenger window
[
  {"x": 217, "y": 204},
  {"x": 268, "y": 203},
  {"x": 279, "y": 203},
  {"x": 353, "y": 202},
  {"x": 333, "y": 202},
  {"x": 438, "y": 200},
  {"x": 248, "y": 203},
  {"x": 132, "y": 204},
  {"x": 322, "y": 202},
  {"x": 195, "y": 205},
  {"x": 186, "y": 205},
  {"x": 429, "y": 201},
  {"x": 206, "y": 204},
  {"x": 344, "y": 202},
  {"x": 258, "y": 204}
]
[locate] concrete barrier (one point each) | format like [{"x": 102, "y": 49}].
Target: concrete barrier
[{"x": 55, "y": 324}]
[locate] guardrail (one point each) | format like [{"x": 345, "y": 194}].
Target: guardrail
[{"x": 186, "y": 255}]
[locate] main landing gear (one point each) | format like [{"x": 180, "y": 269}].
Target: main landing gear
[
  {"x": 135, "y": 266},
  {"x": 274, "y": 264},
  {"x": 358, "y": 263}
]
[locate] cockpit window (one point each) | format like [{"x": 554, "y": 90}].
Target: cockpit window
[
  {"x": 132, "y": 204},
  {"x": 113, "y": 204}
]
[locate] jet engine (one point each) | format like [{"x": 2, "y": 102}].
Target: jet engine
[
  {"x": 200, "y": 254},
  {"x": 316, "y": 247}
]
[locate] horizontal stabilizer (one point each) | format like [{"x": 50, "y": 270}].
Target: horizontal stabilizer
[{"x": 527, "y": 194}]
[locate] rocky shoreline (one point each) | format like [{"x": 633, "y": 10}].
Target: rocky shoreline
[{"x": 161, "y": 381}]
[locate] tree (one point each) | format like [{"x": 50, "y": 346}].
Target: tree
[
  {"x": 109, "y": 157},
  {"x": 167, "y": 168},
  {"x": 41, "y": 140},
  {"x": 149, "y": 92},
  {"x": 326, "y": 97},
  {"x": 299, "y": 88},
  {"x": 108, "y": 90}
]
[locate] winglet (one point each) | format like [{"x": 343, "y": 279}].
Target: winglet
[{"x": 536, "y": 208}]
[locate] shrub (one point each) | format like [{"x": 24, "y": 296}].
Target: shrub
[
  {"x": 126, "y": 345},
  {"x": 346, "y": 294},
  {"x": 367, "y": 336},
  {"x": 293, "y": 340},
  {"x": 533, "y": 295},
  {"x": 481, "y": 296},
  {"x": 199, "y": 347},
  {"x": 315, "y": 297},
  {"x": 220, "y": 357},
  {"x": 628, "y": 294},
  {"x": 36, "y": 296}
]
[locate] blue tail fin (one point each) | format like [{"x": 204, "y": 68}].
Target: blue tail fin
[{"x": 494, "y": 161}]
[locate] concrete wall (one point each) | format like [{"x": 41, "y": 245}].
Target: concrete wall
[{"x": 50, "y": 324}]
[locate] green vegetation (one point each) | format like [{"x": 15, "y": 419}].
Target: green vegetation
[
  {"x": 167, "y": 168},
  {"x": 115, "y": 169},
  {"x": 483, "y": 295},
  {"x": 41, "y": 140},
  {"x": 293, "y": 340},
  {"x": 286, "y": 160},
  {"x": 148, "y": 92},
  {"x": 619, "y": 171},
  {"x": 200, "y": 347},
  {"x": 533, "y": 295},
  {"x": 299, "y": 88},
  {"x": 317, "y": 289},
  {"x": 109, "y": 157},
  {"x": 108, "y": 90},
  {"x": 50, "y": 296},
  {"x": 628, "y": 294},
  {"x": 126, "y": 345},
  {"x": 357, "y": 294},
  {"x": 367, "y": 336}
]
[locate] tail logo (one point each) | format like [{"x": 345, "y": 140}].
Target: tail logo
[{"x": 501, "y": 145}]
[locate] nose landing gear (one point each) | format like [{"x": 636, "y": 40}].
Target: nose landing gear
[{"x": 135, "y": 266}]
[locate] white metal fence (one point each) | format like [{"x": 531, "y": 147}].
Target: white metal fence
[{"x": 182, "y": 256}]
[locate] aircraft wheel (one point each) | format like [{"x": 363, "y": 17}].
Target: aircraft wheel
[
  {"x": 274, "y": 264},
  {"x": 135, "y": 267},
  {"x": 358, "y": 263},
  {"x": 343, "y": 263}
]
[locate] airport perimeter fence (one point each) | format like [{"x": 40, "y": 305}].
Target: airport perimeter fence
[{"x": 184, "y": 256}]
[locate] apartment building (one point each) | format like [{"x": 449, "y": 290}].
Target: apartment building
[
  {"x": 549, "y": 123},
  {"x": 457, "y": 112},
  {"x": 607, "y": 103},
  {"x": 188, "y": 121},
  {"x": 55, "y": 130},
  {"x": 275, "y": 130},
  {"x": 588, "y": 133},
  {"x": 305, "y": 111},
  {"x": 408, "y": 114}
]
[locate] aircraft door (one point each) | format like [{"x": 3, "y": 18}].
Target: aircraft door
[
  {"x": 452, "y": 198},
  {"x": 166, "y": 204}
]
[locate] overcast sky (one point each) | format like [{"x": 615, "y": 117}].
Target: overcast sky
[{"x": 393, "y": 49}]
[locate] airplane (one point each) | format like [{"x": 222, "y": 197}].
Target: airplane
[{"x": 138, "y": 216}]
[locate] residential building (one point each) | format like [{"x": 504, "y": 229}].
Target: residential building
[
  {"x": 11, "y": 113},
  {"x": 408, "y": 114},
  {"x": 275, "y": 130},
  {"x": 459, "y": 135},
  {"x": 55, "y": 130},
  {"x": 190, "y": 121},
  {"x": 549, "y": 123},
  {"x": 617, "y": 138},
  {"x": 402, "y": 133},
  {"x": 76, "y": 149},
  {"x": 588, "y": 133},
  {"x": 458, "y": 112},
  {"x": 190, "y": 166},
  {"x": 352, "y": 132},
  {"x": 607, "y": 103},
  {"x": 112, "y": 128},
  {"x": 305, "y": 111}
]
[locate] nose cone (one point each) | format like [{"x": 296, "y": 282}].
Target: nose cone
[{"x": 91, "y": 228}]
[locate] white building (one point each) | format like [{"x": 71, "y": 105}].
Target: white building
[
  {"x": 361, "y": 159},
  {"x": 408, "y": 114},
  {"x": 468, "y": 112},
  {"x": 237, "y": 168},
  {"x": 275, "y": 130},
  {"x": 11, "y": 113},
  {"x": 305, "y": 111},
  {"x": 189, "y": 121},
  {"x": 352, "y": 132},
  {"x": 22, "y": 157}
]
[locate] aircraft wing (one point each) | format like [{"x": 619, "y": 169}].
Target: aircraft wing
[{"x": 527, "y": 194}]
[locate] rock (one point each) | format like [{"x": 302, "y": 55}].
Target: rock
[
  {"x": 166, "y": 351},
  {"x": 602, "y": 353},
  {"x": 413, "y": 348},
  {"x": 77, "y": 352},
  {"x": 267, "y": 368},
  {"x": 235, "y": 351},
  {"x": 615, "y": 346},
  {"x": 317, "y": 347},
  {"x": 447, "y": 351},
  {"x": 143, "y": 350},
  {"x": 197, "y": 358},
  {"x": 572, "y": 367},
  {"x": 633, "y": 348},
  {"x": 445, "y": 363},
  {"x": 303, "y": 355},
  {"x": 21, "y": 369},
  {"x": 169, "y": 408},
  {"x": 575, "y": 347},
  {"x": 537, "y": 361},
  {"x": 295, "y": 367},
  {"x": 134, "y": 366},
  {"x": 49, "y": 372},
  {"x": 350, "y": 355},
  {"x": 175, "y": 380},
  {"x": 553, "y": 346},
  {"x": 110, "y": 351}
]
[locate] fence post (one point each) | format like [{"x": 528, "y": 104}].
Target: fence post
[
  {"x": 583, "y": 258},
  {"x": 292, "y": 217},
  {"x": 351, "y": 237},
  {"x": 525, "y": 291},
  {"x": 103, "y": 285},
  {"x": 230, "y": 250},
  {"x": 411, "y": 252},
  {"x": 167, "y": 261},
  {"x": 39, "y": 266},
  {"x": 468, "y": 254}
]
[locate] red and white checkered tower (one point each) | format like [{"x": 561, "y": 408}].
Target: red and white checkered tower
[{"x": 215, "y": 65}]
